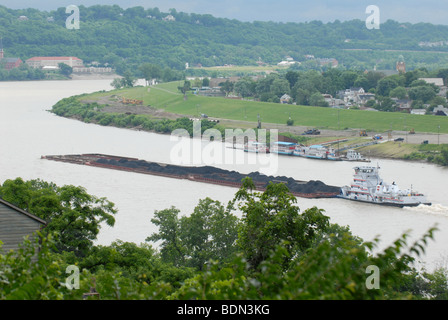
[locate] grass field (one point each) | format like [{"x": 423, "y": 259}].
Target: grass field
[{"x": 166, "y": 96}]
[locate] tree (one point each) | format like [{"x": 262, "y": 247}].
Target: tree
[
  {"x": 245, "y": 87},
  {"x": 73, "y": 216},
  {"x": 227, "y": 87},
  {"x": 272, "y": 219},
  {"x": 185, "y": 88},
  {"x": 316, "y": 99},
  {"x": 209, "y": 233},
  {"x": 385, "y": 85},
  {"x": 279, "y": 87},
  {"x": 205, "y": 82},
  {"x": 117, "y": 83},
  {"x": 423, "y": 93},
  {"x": 128, "y": 79},
  {"x": 65, "y": 69},
  {"x": 398, "y": 92},
  {"x": 172, "y": 250},
  {"x": 150, "y": 72}
]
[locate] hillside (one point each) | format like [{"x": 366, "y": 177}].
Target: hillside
[
  {"x": 170, "y": 103},
  {"x": 126, "y": 38}
]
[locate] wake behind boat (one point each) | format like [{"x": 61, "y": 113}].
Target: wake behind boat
[{"x": 367, "y": 186}]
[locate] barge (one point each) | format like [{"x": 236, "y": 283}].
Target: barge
[{"x": 205, "y": 174}]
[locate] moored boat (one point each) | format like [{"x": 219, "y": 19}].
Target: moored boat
[
  {"x": 353, "y": 155},
  {"x": 258, "y": 147},
  {"x": 316, "y": 152},
  {"x": 367, "y": 186},
  {"x": 282, "y": 147}
]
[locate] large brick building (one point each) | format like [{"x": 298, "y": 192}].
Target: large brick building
[
  {"x": 8, "y": 63},
  {"x": 40, "y": 62}
]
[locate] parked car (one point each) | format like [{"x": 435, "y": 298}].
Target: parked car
[
  {"x": 312, "y": 131},
  {"x": 399, "y": 139}
]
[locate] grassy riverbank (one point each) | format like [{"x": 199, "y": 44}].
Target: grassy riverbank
[
  {"x": 166, "y": 96},
  {"x": 163, "y": 108}
]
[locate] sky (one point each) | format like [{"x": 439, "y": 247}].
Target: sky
[{"x": 413, "y": 11}]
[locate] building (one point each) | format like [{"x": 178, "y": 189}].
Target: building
[
  {"x": 332, "y": 62},
  {"x": 436, "y": 81},
  {"x": 400, "y": 65},
  {"x": 94, "y": 70},
  {"x": 440, "y": 111},
  {"x": 285, "y": 98},
  {"x": 8, "y": 63},
  {"x": 169, "y": 18},
  {"x": 40, "y": 62},
  {"x": 15, "y": 225}
]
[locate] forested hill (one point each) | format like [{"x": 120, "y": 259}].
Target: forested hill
[{"x": 129, "y": 37}]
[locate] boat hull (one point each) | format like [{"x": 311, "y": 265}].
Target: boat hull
[{"x": 388, "y": 204}]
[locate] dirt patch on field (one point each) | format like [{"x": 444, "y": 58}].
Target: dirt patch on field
[{"x": 114, "y": 104}]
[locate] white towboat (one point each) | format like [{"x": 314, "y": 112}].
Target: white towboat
[{"x": 367, "y": 186}]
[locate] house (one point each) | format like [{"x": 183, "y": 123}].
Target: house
[
  {"x": 418, "y": 111},
  {"x": 169, "y": 18},
  {"x": 363, "y": 98},
  {"x": 16, "y": 224},
  {"x": 285, "y": 98},
  {"x": 403, "y": 104},
  {"x": 40, "y": 62},
  {"x": 328, "y": 61},
  {"x": 352, "y": 95},
  {"x": 440, "y": 111}
]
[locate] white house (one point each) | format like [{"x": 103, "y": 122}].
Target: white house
[{"x": 285, "y": 98}]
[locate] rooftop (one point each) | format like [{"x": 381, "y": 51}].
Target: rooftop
[{"x": 52, "y": 58}]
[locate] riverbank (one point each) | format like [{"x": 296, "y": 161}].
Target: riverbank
[{"x": 108, "y": 108}]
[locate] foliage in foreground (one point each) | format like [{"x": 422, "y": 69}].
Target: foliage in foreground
[{"x": 273, "y": 252}]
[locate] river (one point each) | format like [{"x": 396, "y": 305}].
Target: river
[{"x": 28, "y": 131}]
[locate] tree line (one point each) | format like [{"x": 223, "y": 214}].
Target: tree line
[
  {"x": 126, "y": 38},
  {"x": 258, "y": 246},
  {"x": 308, "y": 87}
]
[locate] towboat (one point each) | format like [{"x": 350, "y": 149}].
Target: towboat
[{"x": 367, "y": 186}]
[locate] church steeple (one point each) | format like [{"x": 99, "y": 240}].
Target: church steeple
[{"x": 1, "y": 49}]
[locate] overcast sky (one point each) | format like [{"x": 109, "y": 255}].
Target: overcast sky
[{"x": 414, "y": 11}]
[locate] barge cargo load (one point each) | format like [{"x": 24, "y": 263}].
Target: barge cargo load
[{"x": 205, "y": 174}]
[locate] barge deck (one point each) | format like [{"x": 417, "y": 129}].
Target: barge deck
[{"x": 205, "y": 174}]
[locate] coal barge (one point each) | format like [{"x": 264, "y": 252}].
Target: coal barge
[{"x": 205, "y": 174}]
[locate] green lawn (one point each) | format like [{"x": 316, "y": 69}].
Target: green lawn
[{"x": 166, "y": 96}]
